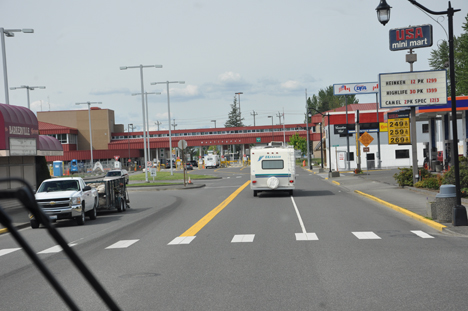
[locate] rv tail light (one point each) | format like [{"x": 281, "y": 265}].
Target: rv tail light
[
  {"x": 254, "y": 181},
  {"x": 291, "y": 181}
]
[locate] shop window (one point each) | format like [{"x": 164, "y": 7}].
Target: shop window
[{"x": 402, "y": 154}]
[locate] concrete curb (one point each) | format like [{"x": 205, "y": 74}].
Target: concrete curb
[
  {"x": 165, "y": 187},
  {"x": 406, "y": 212}
]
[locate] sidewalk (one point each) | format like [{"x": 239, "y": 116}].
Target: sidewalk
[{"x": 382, "y": 187}]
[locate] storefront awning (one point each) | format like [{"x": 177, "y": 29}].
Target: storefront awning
[{"x": 49, "y": 146}]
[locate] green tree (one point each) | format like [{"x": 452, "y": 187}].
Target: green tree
[
  {"x": 326, "y": 100},
  {"x": 299, "y": 143},
  {"x": 440, "y": 60},
  {"x": 234, "y": 117}
]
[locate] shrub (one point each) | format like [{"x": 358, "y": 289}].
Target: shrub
[
  {"x": 404, "y": 177},
  {"x": 429, "y": 183},
  {"x": 449, "y": 177}
]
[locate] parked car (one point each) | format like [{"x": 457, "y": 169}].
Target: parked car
[
  {"x": 112, "y": 174},
  {"x": 188, "y": 166},
  {"x": 193, "y": 162}
]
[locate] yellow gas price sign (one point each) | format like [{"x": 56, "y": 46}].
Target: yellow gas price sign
[{"x": 399, "y": 131}]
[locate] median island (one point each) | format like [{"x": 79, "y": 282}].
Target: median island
[{"x": 164, "y": 178}]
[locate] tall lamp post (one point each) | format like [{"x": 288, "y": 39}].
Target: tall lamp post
[
  {"x": 240, "y": 114},
  {"x": 459, "y": 217},
  {"x": 128, "y": 139},
  {"x": 143, "y": 108},
  {"x": 329, "y": 139},
  {"x": 271, "y": 129},
  {"x": 169, "y": 116},
  {"x": 28, "y": 88},
  {"x": 9, "y": 33},
  {"x": 90, "y": 130},
  {"x": 214, "y": 122}
]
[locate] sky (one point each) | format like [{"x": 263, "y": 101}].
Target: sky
[{"x": 274, "y": 52}]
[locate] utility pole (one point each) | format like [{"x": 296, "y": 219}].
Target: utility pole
[
  {"x": 174, "y": 124},
  {"x": 254, "y": 114},
  {"x": 157, "y": 123},
  {"x": 279, "y": 115}
]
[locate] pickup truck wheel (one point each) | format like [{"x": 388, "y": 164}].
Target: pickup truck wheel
[
  {"x": 124, "y": 204},
  {"x": 93, "y": 213},
  {"x": 81, "y": 219},
  {"x": 34, "y": 223}
]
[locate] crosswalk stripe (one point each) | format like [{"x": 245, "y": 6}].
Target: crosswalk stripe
[
  {"x": 308, "y": 236},
  {"x": 422, "y": 234},
  {"x": 122, "y": 244},
  {"x": 54, "y": 249},
  {"x": 8, "y": 251},
  {"x": 243, "y": 238},
  {"x": 367, "y": 235},
  {"x": 182, "y": 240}
]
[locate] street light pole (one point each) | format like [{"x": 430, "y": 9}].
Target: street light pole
[
  {"x": 240, "y": 114},
  {"x": 329, "y": 139},
  {"x": 143, "y": 108},
  {"x": 214, "y": 122},
  {"x": 459, "y": 217},
  {"x": 271, "y": 129},
  {"x": 9, "y": 33},
  {"x": 90, "y": 130},
  {"x": 169, "y": 117},
  {"x": 128, "y": 140},
  {"x": 27, "y": 87}
]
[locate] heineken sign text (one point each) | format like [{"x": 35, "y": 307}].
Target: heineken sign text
[{"x": 413, "y": 89}]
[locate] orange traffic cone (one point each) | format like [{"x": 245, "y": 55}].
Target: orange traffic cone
[{"x": 189, "y": 180}]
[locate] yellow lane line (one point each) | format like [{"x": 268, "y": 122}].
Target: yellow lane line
[
  {"x": 426, "y": 221},
  {"x": 192, "y": 231},
  {"x": 336, "y": 183}
]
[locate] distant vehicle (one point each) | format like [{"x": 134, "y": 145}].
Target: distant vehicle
[
  {"x": 168, "y": 163},
  {"x": 188, "y": 166},
  {"x": 211, "y": 160},
  {"x": 193, "y": 162},
  {"x": 113, "y": 174},
  {"x": 272, "y": 168},
  {"x": 440, "y": 156},
  {"x": 73, "y": 166},
  {"x": 66, "y": 198}
]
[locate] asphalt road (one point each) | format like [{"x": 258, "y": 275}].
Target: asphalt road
[{"x": 323, "y": 249}]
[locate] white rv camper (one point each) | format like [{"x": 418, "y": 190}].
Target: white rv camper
[
  {"x": 211, "y": 160},
  {"x": 272, "y": 168}
]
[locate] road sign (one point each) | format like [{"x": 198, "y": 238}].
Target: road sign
[
  {"x": 366, "y": 149},
  {"x": 116, "y": 158},
  {"x": 153, "y": 171},
  {"x": 410, "y": 37},
  {"x": 366, "y": 139},
  {"x": 182, "y": 144},
  {"x": 129, "y": 160},
  {"x": 149, "y": 163},
  {"x": 259, "y": 139},
  {"x": 399, "y": 131}
]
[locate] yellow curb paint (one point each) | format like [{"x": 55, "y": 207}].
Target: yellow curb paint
[
  {"x": 3, "y": 230},
  {"x": 336, "y": 183},
  {"x": 192, "y": 231},
  {"x": 426, "y": 221}
]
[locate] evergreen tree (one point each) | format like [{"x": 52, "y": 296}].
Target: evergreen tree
[
  {"x": 234, "y": 118},
  {"x": 440, "y": 60},
  {"x": 326, "y": 100}
]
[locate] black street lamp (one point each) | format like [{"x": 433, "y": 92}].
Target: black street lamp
[
  {"x": 459, "y": 217},
  {"x": 329, "y": 139},
  {"x": 309, "y": 115}
]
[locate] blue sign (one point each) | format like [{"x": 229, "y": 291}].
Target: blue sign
[{"x": 410, "y": 37}]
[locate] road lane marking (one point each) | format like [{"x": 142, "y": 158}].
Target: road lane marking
[
  {"x": 192, "y": 231},
  {"x": 55, "y": 249},
  {"x": 304, "y": 236},
  {"x": 243, "y": 238},
  {"x": 368, "y": 235},
  {"x": 422, "y": 234},
  {"x": 182, "y": 240},
  {"x": 8, "y": 251},
  {"x": 122, "y": 244}
]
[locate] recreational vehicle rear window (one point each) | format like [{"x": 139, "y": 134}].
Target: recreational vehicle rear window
[{"x": 272, "y": 164}]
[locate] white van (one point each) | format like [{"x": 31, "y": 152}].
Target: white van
[
  {"x": 211, "y": 160},
  {"x": 272, "y": 168}
]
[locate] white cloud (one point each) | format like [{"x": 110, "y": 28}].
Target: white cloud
[
  {"x": 229, "y": 76},
  {"x": 290, "y": 85}
]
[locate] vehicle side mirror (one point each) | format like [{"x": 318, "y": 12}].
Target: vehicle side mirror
[{"x": 86, "y": 188}]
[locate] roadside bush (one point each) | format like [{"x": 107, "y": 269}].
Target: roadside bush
[
  {"x": 432, "y": 182},
  {"x": 449, "y": 177},
  {"x": 405, "y": 176}
]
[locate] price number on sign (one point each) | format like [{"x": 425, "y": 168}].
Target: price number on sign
[{"x": 399, "y": 131}]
